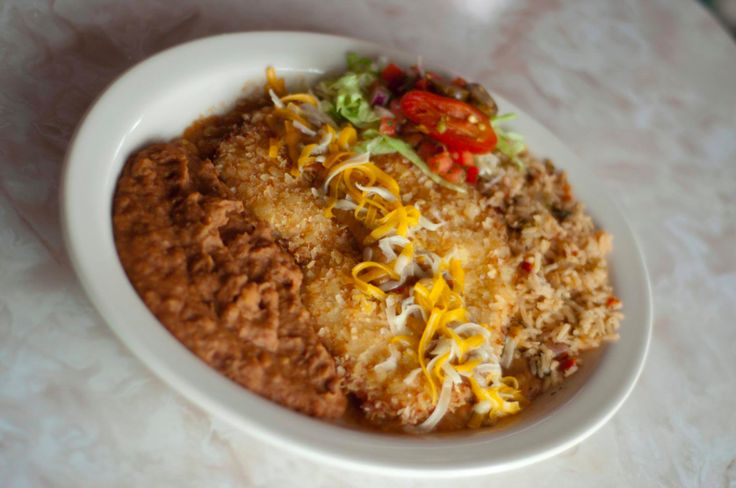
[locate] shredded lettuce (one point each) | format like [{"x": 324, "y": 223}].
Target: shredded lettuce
[
  {"x": 360, "y": 64},
  {"x": 510, "y": 144},
  {"x": 377, "y": 143},
  {"x": 345, "y": 99}
]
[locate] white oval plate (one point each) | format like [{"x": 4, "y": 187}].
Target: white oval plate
[{"x": 155, "y": 101}]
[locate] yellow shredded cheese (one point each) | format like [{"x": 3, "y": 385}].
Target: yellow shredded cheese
[
  {"x": 275, "y": 83},
  {"x": 274, "y": 146},
  {"x": 375, "y": 199},
  {"x": 376, "y": 271},
  {"x": 300, "y": 97},
  {"x": 306, "y": 158},
  {"x": 291, "y": 115},
  {"x": 347, "y": 137}
]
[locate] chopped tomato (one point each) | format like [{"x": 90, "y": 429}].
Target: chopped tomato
[
  {"x": 461, "y": 127},
  {"x": 427, "y": 149},
  {"x": 463, "y": 158},
  {"x": 393, "y": 76},
  {"x": 388, "y": 126},
  {"x": 471, "y": 174},
  {"x": 566, "y": 362},
  {"x": 440, "y": 163},
  {"x": 455, "y": 174},
  {"x": 394, "y": 106},
  {"x": 422, "y": 84}
]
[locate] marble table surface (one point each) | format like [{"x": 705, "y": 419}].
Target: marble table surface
[{"x": 643, "y": 90}]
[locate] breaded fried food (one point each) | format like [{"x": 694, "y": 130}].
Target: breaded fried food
[{"x": 354, "y": 328}]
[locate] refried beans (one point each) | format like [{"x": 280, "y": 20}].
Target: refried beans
[{"x": 217, "y": 280}]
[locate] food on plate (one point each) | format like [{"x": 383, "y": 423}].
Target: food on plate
[
  {"x": 377, "y": 247},
  {"x": 215, "y": 276}
]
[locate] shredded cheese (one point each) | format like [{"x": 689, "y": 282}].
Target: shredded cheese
[
  {"x": 431, "y": 324},
  {"x": 273, "y": 82}
]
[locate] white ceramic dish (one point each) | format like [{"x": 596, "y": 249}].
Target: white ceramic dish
[{"x": 156, "y": 100}]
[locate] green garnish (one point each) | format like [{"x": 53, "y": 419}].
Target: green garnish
[
  {"x": 344, "y": 98},
  {"x": 510, "y": 144},
  {"x": 442, "y": 125},
  {"x": 377, "y": 143},
  {"x": 360, "y": 64}
]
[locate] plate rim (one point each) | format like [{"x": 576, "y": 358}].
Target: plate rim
[{"x": 70, "y": 218}]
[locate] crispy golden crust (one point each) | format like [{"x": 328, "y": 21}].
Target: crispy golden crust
[{"x": 354, "y": 328}]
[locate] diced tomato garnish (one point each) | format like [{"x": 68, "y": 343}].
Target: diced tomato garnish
[
  {"x": 612, "y": 302},
  {"x": 440, "y": 163},
  {"x": 566, "y": 362},
  {"x": 463, "y": 158},
  {"x": 471, "y": 174},
  {"x": 388, "y": 126},
  {"x": 463, "y": 127},
  {"x": 526, "y": 266},
  {"x": 394, "y": 106},
  {"x": 427, "y": 149},
  {"x": 455, "y": 175},
  {"x": 422, "y": 85},
  {"x": 393, "y": 76}
]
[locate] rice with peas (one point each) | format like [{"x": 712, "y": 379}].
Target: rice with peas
[
  {"x": 445, "y": 305},
  {"x": 565, "y": 303}
]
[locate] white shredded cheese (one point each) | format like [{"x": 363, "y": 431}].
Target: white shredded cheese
[
  {"x": 304, "y": 129},
  {"x": 443, "y": 404},
  {"x": 389, "y": 285},
  {"x": 275, "y": 99},
  {"x": 323, "y": 144},
  {"x": 470, "y": 328},
  {"x": 378, "y": 190},
  {"x": 345, "y": 204},
  {"x": 492, "y": 368},
  {"x": 316, "y": 116},
  {"x": 353, "y": 162},
  {"x": 386, "y": 245},
  {"x": 482, "y": 407},
  {"x": 451, "y": 373},
  {"x": 390, "y": 363},
  {"x": 408, "y": 308},
  {"x": 428, "y": 224},
  {"x": 412, "y": 376}
]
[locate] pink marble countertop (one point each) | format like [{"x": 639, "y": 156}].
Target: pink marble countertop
[{"x": 644, "y": 91}]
